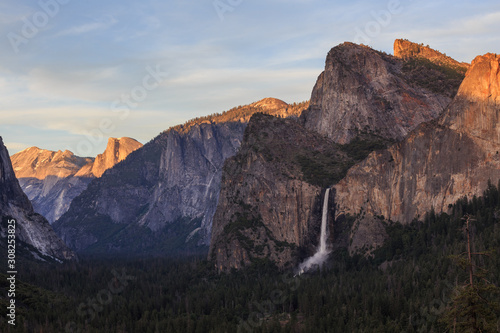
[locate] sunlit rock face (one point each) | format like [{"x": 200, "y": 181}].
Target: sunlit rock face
[
  {"x": 440, "y": 162},
  {"x": 51, "y": 180},
  {"x": 405, "y": 49},
  {"x": 116, "y": 151}
]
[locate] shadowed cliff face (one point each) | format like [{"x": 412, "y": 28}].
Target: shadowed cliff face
[
  {"x": 437, "y": 164},
  {"x": 52, "y": 196},
  {"x": 365, "y": 91},
  {"x": 51, "y": 180},
  {"x": 31, "y": 228},
  {"x": 267, "y": 209},
  {"x": 189, "y": 174},
  {"x": 158, "y": 196},
  {"x": 162, "y": 199}
]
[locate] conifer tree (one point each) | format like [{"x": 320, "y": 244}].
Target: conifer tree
[{"x": 474, "y": 306}]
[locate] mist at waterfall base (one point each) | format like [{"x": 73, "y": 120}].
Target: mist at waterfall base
[{"x": 317, "y": 260}]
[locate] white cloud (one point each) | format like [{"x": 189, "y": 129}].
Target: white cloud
[
  {"x": 81, "y": 29},
  {"x": 102, "y": 24}
]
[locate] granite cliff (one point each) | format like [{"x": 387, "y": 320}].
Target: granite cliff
[
  {"x": 365, "y": 91},
  {"x": 272, "y": 190},
  {"x": 440, "y": 162},
  {"x": 116, "y": 151},
  {"x": 34, "y": 234},
  {"x": 270, "y": 199},
  {"x": 51, "y": 180},
  {"x": 161, "y": 199}
]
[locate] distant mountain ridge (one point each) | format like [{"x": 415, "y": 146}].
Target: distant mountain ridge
[
  {"x": 53, "y": 179},
  {"x": 161, "y": 199},
  {"x": 39, "y": 163}
]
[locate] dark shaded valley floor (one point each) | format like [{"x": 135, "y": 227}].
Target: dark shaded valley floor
[{"x": 406, "y": 286}]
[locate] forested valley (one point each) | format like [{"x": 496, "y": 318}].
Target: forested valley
[{"x": 415, "y": 282}]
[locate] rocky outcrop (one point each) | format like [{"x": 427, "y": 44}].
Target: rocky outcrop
[
  {"x": 274, "y": 105},
  {"x": 269, "y": 205},
  {"x": 47, "y": 178},
  {"x": 51, "y": 180},
  {"x": 34, "y": 233},
  {"x": 365, "y": 91},
  {"x": 479, "y": 95},
  {"x": 161, "y": 200},
  {"x": 116, "y": 151},
  {"x": 440, "y": 162},
  {"x": 405, "y": 49}
]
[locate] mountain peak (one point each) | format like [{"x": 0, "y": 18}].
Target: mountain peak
[
  {"x": 482, "y": 81},
  {"x": 52, "y": 179},
  {"x": 116, "y": 151},
  {"x": 270, "y": 103},
  {"x": 405, "y": 49},
  {"x": 475, "y": 109}
]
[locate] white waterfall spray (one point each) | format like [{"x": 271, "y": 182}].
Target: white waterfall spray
[{"x": 322, "y": 254}]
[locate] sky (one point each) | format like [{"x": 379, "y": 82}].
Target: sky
[{"x": 73, "y": 72}]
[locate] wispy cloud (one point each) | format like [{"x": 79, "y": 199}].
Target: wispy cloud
[
  {"x": 92, "y": 53},
  {"x": 103, "y": 24}
]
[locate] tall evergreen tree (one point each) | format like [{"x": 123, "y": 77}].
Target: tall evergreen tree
[{"x": 473, "y": 307}]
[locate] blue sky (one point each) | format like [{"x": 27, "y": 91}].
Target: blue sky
[{"x": 73, "y": 73}]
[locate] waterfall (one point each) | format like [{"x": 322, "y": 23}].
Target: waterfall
[
  {"x": 324, "y": 222},
  {"x": 322, "y": 254}
]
